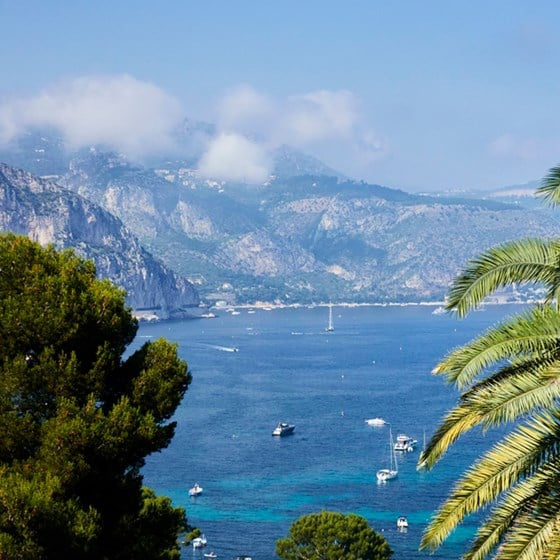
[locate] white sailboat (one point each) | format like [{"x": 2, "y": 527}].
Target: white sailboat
[
  {"x": 330, "y": 326},
  {"x": 383, "y": 475}
]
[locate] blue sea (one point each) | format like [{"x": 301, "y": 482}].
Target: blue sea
[{"x": 256, "y": 368}]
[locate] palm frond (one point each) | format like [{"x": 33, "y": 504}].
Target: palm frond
[
  {"x": 499, "y": 522},
  {"x": 538, "y": 524},
  {"x": 491, "y": 404},
  {"x": 515, "y": 526},
  {"x": 550, "y": 187},
  {"x": 510, "y": 461},
  {"x": 526, "y": 261},
  {"x": 532, "y": 333}
]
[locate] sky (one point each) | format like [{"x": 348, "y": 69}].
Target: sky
[{"x": 418, "y": 95}]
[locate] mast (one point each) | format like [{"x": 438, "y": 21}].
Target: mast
[{"x": 330, "y": 326}]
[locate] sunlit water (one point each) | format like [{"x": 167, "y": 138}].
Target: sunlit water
[{"x": 255, "y": 369}]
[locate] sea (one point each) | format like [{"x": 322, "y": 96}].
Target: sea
[{"x": 256, "y": 367}]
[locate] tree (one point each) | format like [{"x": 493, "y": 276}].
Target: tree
[
  {"x": 507, "y": 376},
  {"x": 77, "y": 420},
  {"x": 332, "y": 536}
]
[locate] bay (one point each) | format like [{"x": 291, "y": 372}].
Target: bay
[{"x": 256, "y": 368}]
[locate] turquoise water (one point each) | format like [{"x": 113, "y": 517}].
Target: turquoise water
[{"x": 377, "y": 362}]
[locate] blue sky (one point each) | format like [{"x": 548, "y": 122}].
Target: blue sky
[{"x": 422, "y": 96}]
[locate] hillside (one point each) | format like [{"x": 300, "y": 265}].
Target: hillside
[
  {"x": 50, "y": 214},
  {"x": 303, "y": 236}
]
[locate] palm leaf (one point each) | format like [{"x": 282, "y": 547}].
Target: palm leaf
[
  {"x": 528, "y": 261},
  {"x": 532, "y": 333},
  {"x": 491, "y": 404},
  {"x": 529, "y": 538},
  {"x": 550, "y": 187},
  {"x": 510, "y": 461}
]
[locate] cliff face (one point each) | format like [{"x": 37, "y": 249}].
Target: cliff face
[
  {"x": 304, "y": 238},
  {"x": 308, "y": 234},
  {"x": 48, "y": 213}
]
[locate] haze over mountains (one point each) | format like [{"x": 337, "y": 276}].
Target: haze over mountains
[{"x": 307, "y": 234}]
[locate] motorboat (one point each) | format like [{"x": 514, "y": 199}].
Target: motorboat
[
  {"x": 283, "y": 429},
  {"x": 210, "y": 555},
  {"x": 383, "y": 475},
  {"x": 196, "y": 490},
  {"x": 199, "y": 542},
  {"x": 405, "y": 443},
  {"x": 375, "y": 422},
  {"x": 402, "y": 523}
]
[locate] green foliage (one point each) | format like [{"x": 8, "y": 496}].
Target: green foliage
[
  {"x": 332, "y": 536},
  {"x": 510, "y": 375},
  {"x": 76, "y": 420}
]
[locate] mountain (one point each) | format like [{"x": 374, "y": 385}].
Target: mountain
[
  {"x": 50, "y": 214},
  {"x": 308, "y": 234}
]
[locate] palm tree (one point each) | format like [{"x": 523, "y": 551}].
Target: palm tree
[{"x": 508, "y": 375}]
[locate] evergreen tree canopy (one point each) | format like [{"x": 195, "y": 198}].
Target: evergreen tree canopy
[
  {"x": 77, "y": 420},
  {"x": 332, "y": 536}
]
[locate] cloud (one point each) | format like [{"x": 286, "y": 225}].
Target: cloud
[
  {"x": 320, "y": 115},
  {"x": 233, "y": 157},
  {"x": 122, "y": 112},
  {"x": 323, "y": 123},
  {"x": 138, "y": 119},
  {"x": 244, "y": 109}
]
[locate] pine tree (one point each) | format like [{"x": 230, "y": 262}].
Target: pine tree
[{"x": 77, "y": 419}]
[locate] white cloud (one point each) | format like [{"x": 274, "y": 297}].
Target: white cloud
[
  {"x": 245, "y": 109},
  {"x": 118, "y": 111},
  {"x": 233, "y": 157},
  {"x": 137, "y": 118},
  {"x": 323, "y": 123},
  {"x": 320, "y": 115}
]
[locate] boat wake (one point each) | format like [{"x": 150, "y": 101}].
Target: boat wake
[
  {"x": 221, "y": 348},
  {"x": 225, "y": 348}
]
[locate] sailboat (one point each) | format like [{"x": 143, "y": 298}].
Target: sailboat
[
  {"x": 383, "y": 475},
  {"x": 330, "y": 326}
]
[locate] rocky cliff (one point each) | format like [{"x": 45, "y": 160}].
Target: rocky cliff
[
  {"x": 49, "y": 213},
  {"x": 305, "y": 235}
]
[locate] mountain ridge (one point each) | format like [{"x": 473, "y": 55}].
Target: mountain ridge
[{"x": 297, "y": 237}]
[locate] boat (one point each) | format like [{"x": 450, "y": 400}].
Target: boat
[
  {"x": 405, "y": 443},
  {"x": 196, "y": 490},
  {"x": 330, "y": 325},
  {"x": 210, "y": 555},
  {"x": 283, "y": 429},
  {"x": 199, "y": 542},
  {"x": 383, "y": 475},
  {"x": 402, "y": 523},
  {"x": 375, "y": 422},
  {"x": 439, "y": 311}
]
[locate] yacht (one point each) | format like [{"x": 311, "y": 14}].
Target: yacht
[
  {"x": 383, "y": 475},
  {"x": 283, "y": 429},
  {"x": 199, "y": 542},
  {"x": 375, "y": 422},
  {"x": 402, "y": 523},
  {"x": 196, "y": 490},
  {"x": 405, "y": 443}
]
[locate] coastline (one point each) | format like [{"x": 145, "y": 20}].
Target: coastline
[{"x": 212, "y": 311}]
